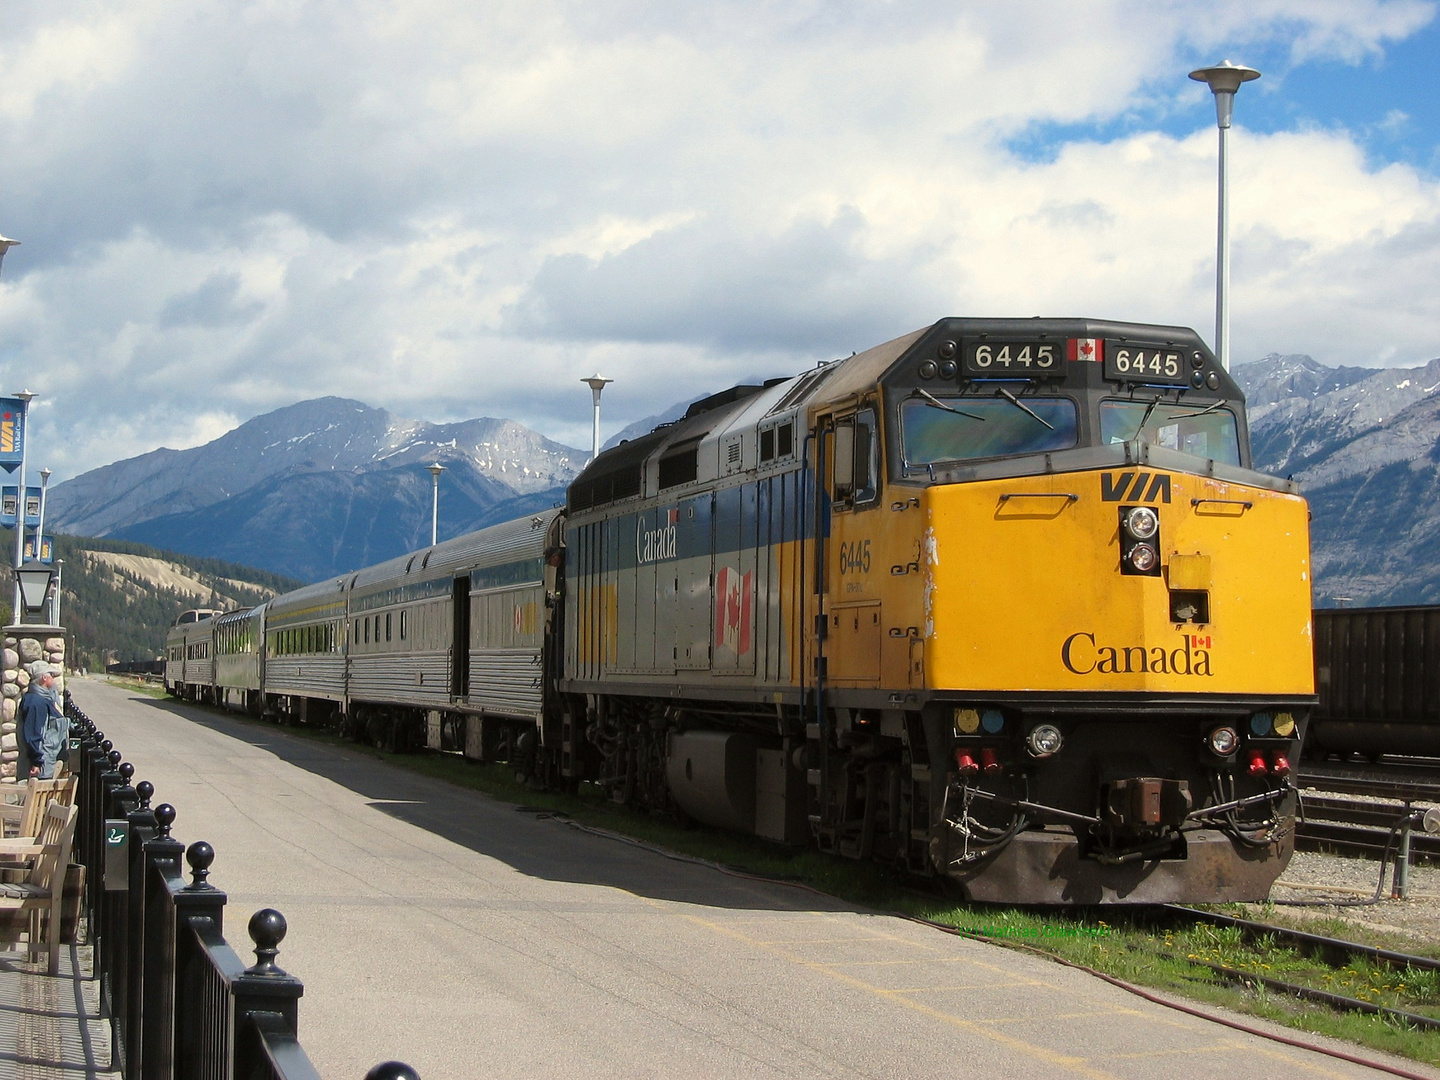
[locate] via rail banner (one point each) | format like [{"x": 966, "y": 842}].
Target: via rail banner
[{"x": 12, "y": 433}]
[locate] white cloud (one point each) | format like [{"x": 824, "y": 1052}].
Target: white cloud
[{"x": 450, "y": 209}]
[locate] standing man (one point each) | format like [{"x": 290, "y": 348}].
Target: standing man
[{"x": 44, "y": 726}]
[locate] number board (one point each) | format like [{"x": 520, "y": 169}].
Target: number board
[
  {"x": 1138, "y": 362},
  {"x": 1015, "y": 359}
]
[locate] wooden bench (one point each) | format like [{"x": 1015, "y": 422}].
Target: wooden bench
[
  {"x": 43, "y": 889},
  {"x": 23, "y": 819}
]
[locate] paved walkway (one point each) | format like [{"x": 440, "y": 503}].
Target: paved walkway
[
  {"x": 50, "y": 1027},
  {"x": 446, "y": 929}
]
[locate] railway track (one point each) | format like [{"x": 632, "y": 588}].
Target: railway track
[
  {"x": 1383, "y": 797},
  {"x": 1406, "y": 779},
  {"x": 1336, "y": 952}
]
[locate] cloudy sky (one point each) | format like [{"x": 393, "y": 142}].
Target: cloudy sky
[{"x": 457, "y": 208}]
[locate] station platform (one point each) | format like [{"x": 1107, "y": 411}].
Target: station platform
[{"x": 50, "y": 1027}]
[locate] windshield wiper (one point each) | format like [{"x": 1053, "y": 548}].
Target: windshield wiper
[
  {"x": 1008, "y": 396},
  {"x": 1145, "y": 419},
  {"x": 1186, "y": 415},
  {"x": 935, "y": 403}
]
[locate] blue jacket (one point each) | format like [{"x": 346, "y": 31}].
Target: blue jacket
[{"x": 36, "y": 710}]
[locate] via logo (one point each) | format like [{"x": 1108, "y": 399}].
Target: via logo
[{"x": 1134, "y": 487}]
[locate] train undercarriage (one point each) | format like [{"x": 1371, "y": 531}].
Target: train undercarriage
[{"x": 1165, "y": 819}]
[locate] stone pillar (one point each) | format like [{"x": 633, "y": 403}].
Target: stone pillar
[{"x": 29, "y": 652}]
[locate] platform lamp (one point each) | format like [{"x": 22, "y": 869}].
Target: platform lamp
[
  {"x": 33, "y": 580},
  {"x": 1224, "y": 79},
  {"x": 596, "y": 382},
  {"x": 5, "y": 245},
  {"x": 434, "y": 470}
]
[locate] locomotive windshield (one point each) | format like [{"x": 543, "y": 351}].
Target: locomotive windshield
[
  {"x": 959, "y": 429},
  {"x": 1207, "y": 432}
]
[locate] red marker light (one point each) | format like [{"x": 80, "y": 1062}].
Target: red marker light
[
  {"x": 1280, "y": 765},
  {"x": 966, "y": 763},
  {"x": 1257, "y": 764},
  {"x": 989, "y": 762}
]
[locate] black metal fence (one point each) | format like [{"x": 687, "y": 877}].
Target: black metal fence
[{"x": 182, "y": 1004}]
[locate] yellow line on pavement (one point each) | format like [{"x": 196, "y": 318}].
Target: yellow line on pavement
[{"x": 1077, "y": 1065}]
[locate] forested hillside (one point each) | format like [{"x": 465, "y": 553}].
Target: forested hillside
[{"x": 119, "y": 598}]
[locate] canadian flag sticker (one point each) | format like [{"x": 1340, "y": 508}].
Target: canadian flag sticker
[
  {"x": 1088, "y": 348},
  {"x": 732, "y": 609}
]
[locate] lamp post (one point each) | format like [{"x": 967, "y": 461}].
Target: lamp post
[
  {"x": 434, "y": 470},
  {"x": 40, "y": 528},
  {"x": 25, "y": 397},
  {"x": 596, "y": 383},
  {"x": 1224, "y": 79}
]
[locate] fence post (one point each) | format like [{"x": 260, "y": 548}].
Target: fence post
[
  {"x": 264, "y": 994},
  {"x": 161, "y": 866},
  {"x": 196, "y": 1024},
  {"x": 108, "y": 780},
  {"x": 112, "y": 966},
  {"x": 142, "y": 830}
]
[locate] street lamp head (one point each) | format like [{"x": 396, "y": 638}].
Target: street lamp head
[
  {"x": 34, "y": 578},
  {"x": 45, "y": 476},
  {"x": 5, "y": 245},
  {"x": 597, "y": 382},
  {"x": 435, "y": 470},
  {"x": 24, "y": 395},
  {"x": 1224, "y": 79}
]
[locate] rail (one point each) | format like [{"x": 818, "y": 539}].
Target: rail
[{"x": 181, "y": 1002}]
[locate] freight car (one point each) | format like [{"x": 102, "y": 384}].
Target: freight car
[
  {"x": 1001, "y": 600},
  {"x": 1377, "y": 671}
]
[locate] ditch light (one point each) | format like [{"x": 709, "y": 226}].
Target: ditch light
[{"x": 34, "y": 578}]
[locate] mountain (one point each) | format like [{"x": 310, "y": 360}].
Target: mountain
[
  {"x": 318, "y": 488},
  {"x": 117, "y": 600},
  {"x": 1364, "y": 444}
]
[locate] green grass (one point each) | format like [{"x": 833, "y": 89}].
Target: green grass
[
  {"x": 137, "y": 686},
  {"x": 1137, "y": 945}
]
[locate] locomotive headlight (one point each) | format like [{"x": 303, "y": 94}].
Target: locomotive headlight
[
  {"x": 1141, "y": 522},
  {"x": 1044, "y": 740},
  {"x": 1284, "y": 725},
  {"x": 1223, "y": 741},
  {"x": 1143, "y": 557},
  {"x": 1261, "y": 724}
]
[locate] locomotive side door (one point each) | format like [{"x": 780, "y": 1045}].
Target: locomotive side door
[
  {"x": 851, "y": 556},
  {"x": 460, "y": 639}
]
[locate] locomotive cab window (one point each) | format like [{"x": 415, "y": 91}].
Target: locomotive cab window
[
  {"x": 940, "y": 429},
  {"x": 1202, "y": 430},
  {"x": 856, "y": 466}
]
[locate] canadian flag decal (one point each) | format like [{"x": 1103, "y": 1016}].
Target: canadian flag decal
[
  {"x": 733, "y": 592},
  {"x": 1092, "y": 349}
]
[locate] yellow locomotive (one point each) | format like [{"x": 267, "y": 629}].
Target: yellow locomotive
[{"x": 1001, "y": 600}]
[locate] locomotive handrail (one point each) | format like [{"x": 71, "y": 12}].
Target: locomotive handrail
[
  {"x": 1236, "y": 804},
  {"x": 1244, "y": 504},
  {"x": 1068, "y": 496}
]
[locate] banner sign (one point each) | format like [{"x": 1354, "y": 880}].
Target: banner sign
[
  {"x": 47, "y": 550},
  {"x": 7, "y": 506},
  {"x": 12, "y": 433}
]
